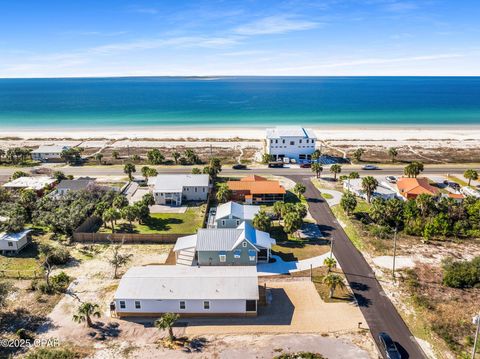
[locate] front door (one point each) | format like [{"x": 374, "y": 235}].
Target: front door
[{"x": 251, "y": 305}]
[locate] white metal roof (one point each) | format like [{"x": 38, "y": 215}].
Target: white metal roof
[
  {"x": 185, "y": 242},
  {"x": 35, "y": 183},
  {"x": 164, "y": 282},
  {"x": 50, "y": 149},
  {"x": 175, "y": 183},
  {"x": 355, "y": 184},
  {"x": 237, "y": 210},
  {"x": 279, "y": 132},
  {"x": 14, "y": 237}
]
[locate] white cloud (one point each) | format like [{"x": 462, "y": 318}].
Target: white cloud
[{"x": 275, "y": 25}]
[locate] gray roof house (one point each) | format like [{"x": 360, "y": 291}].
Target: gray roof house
[
  {"x": 241, "y": 246},
  {"x": 174, "y": 189},
  {"x": 48, "y": 152},
  {"x": 74, "y": 185},
  {"x": 12, "y": 243},
  {"x": 232, "y": 214},
  {"x": 382, "y": 191},
  {"x": 188, "y": 291}
]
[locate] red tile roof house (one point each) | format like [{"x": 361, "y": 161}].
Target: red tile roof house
[
  {"x": 256, "y": 189},
  {"x": 410, "y": 188}
]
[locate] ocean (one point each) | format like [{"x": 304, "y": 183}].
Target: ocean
[{"x": 89, "y": 103}]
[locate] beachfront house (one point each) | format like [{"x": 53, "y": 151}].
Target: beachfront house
[
  {"x": 74, "y": 185},
  {"x": 241, "y": 246},
  {"x": 38, "y": 184},
  {"x": 256, "y": 189},
  {"x": 232, "y": 214},
  {"x": 382, "y": 191},
  {"x": 13, "y": 242},
  {"x": 290, "y": 143},
  {"x": 410, "y": 188},
  {"x": 49, "y": 153},
  {"x": 188, "y": 291},
  {"x": 173, "y": 190}
]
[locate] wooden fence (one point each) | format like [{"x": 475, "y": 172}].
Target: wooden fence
[
  {"x": 20, "y": 274},
  {"x": 137, "y": 238}
]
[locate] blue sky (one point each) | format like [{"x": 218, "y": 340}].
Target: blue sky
[{"x": 332, "y": 37}]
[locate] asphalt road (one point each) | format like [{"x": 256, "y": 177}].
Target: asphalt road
[
  {"x": 118, "y": 170},
  {"x": 377, "y": 309}
]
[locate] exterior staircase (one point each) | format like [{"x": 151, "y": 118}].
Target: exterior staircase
[{"x": 186, "y": 257}]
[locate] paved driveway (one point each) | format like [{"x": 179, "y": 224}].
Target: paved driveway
[
  {"x": 282, "y": 267},
  {"x": 378, "y": 310}
]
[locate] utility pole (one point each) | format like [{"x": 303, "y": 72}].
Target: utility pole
[
  {"x": 476, "y": 320},
  {"x": 331, "y": 247},
  {"x": 394, "y": 252}
]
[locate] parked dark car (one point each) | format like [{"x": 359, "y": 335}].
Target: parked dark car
[
  {"x": 305, "y": 165},
  {"x": 275, "y": 165},
  {"x": 239, "y": 166},
  {"x": 388, "y": 346},
  {"x": 453, "y": 185}
]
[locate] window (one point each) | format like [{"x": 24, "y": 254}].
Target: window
[
  {"x": 238, "y": 222},
  {"x": 251, "y": 305},
  {"x": 10, "y": 244},
  {"x": 195, "y": 189},
  {"x": 292, "y": 143},
  {"x": 223, "y": 222},
  {"x": 252, "y": 255},
  {"x": 222, "y": 257},
  {"x": 182, "y": 304},
  {"x": 300, "y": 141},
  {"x": 244, "y": 244},
  {"x": 206, "y": 305},
  {"x": 283, "y": 141},
  {"x": 237, "y": 253},
  {"x": 122, "y": 304},
  {"x": 137, "y": 304}
]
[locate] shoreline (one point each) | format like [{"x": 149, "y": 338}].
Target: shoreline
[{"x": 229, "y": 133}]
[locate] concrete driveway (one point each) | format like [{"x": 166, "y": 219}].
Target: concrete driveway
[
  {"x": 282, "y": 267},
  {"x": 336, "y": 196}
]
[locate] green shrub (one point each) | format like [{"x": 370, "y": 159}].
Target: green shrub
[
  {"x": 52, "y": 353},
  {"x": 59, "y": 256},
  {"x": 461, "y": 274},
  {"x": 60, "y": 282}
]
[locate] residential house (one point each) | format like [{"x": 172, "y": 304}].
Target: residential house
[
  {"x": 256, "y": 189},
  {"x": 188, "y": 291},
  {"x": 74, "y": 185},
  {"x": 410, "y": 188},
  {"x": 469, "y": 191},
  {"x": 175, "y": 189},
  {"x": 232, "y": 214},
  {"x": 49, "y": 153},
  {"x": 14, "y": 242},
  {"x": 355, "y": 186},
  {"x": 38, "y": 184},
  {"x": 290, "y": 143},
  {"x": 241, "y": 246}
]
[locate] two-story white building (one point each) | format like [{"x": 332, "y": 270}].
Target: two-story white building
[
  {"x": 174, "y": 189},
  {"x": 293, "y": 143}
]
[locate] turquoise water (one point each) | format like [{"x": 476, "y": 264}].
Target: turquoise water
[{"x": 88, "y": 103}]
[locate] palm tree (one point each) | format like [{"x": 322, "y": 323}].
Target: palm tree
[
  {"x": 470, "y": 174},
  {"x": 316, "y": 155},
  {"x": 84, "y": 313},
  {"x": 176, "y": 155},
  {"x": 262, "y": 222},
  {"x": 330, "y": 263},
  {"x": 129, "y": 168},
  {"x": 369, "y": 185},
  {"x": 2, "y": 153},
  {"x": 348, "y": 203},
  {"x": 299, "y": 189},
  {"x": 358, "y": 153},
  {"x": 115, "y": 154},
  {"x": 99, "y": 157},
  {"x": 413, "y": 169},
  {"x": 354, "y": 175},
  {"x": 333, "y": 281},
  {"x": 166, "y": 322},
  {"x": 335, "y": 169},
  {"x": 317, "y": 169},
  {"x": 110, "y": 215},
  {"x": 393, "y": 153},
  {"x": 191, "y": 156},
  {"x": 129, "y": 213},
  {"x": 223, "y": 193},
  {"x": 196, "y": 171},
  {"x": 425, "y": 204}
]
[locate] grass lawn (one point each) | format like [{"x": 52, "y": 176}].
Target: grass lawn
[
  {"x": 326, "y": 195},
  {"x": 348, "y": 226},
  {"x": 293, "y": 250},
  {"x": 339, "y": 295},
  {"x": 175, "y": 223},
  {"x": 457, "y": 180}
]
